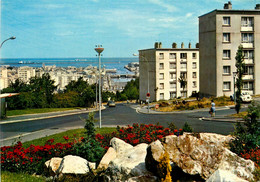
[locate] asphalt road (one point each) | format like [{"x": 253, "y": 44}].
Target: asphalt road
[{"x": 122, "y": 114}]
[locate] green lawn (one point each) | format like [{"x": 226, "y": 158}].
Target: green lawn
[
  {"x": 36, "y": 111},
  {"x": 72, "y": 134},
  {"x": 7, "y": 176}
]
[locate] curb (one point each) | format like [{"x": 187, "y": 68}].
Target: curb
[{"x": 223, "y": 120}]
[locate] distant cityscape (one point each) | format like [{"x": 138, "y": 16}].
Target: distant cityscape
[{"x": 111, "y": 80}]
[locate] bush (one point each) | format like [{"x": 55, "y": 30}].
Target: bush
[
  {"x": 187, "y": 128},
  {"x": 89, "y": 148},
  {"x": 246, "y": 142},
  {"x": 137, "y": 134}
]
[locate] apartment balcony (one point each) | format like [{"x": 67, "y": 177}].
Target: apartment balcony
[
  {"x": 249, "y": 61},
  {"x": 247, "y": 44},
  {"x": 245, "y": 29},
  {"x": 248, "y": 77}
]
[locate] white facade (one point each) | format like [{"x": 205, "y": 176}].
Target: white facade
[
  {"x": 25, "y": 73},
  {"x": 3, "y": 78},
  {"x": 220, "y": 34},
  {"x": 161, "y": 68}
]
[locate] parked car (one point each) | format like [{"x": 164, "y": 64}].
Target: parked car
[
  {"x": 111, "y": 103},
  {"x": 245, "y": 97}
]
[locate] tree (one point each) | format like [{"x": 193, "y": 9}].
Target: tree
[
  {"x": 183, "y": 82},
  {"x": 42, "y": 89},
  {"x": 240, "y": 70},
  {"x": 131, "y": 89}
]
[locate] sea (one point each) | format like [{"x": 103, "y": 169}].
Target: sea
[{"x": 108, "y": 63}]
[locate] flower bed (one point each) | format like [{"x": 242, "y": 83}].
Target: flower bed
[
  {"x": 253, "y": 154},
  {"x": 137, "y": 134}
]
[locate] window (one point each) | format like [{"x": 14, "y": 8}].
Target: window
[
  {"x": 194, "y": 65},
  {"x": 226, "y": 54},
  {"x": 184, "y": 75},
  {"x": 172, "y": 95},
  {"x": 161, "y": 96},
  {"x": 226, "y": 37},
  {"x": 172, "y": 85},
  {"x": 161, "y": 86},
  {"x": 161, "y": 66},
  {"x": 247, "y": 37},
  {"x": 226, "y": 86},
  {"x": 183, "y": 65},
  {"x": 172, "y": 65},
  {"x": 194, "y": 55},
  {"x": 184, "y": 94},
  {"x": 194, "y": 84},
  {"x": 249, "y": 70},
  {"x": 226, "y": 69},
  {"x": 248, "y": 54},
  {"x": 173, "y": 76},
  {"x": 172, "y": 55},
  {"x": 247, "y": 21},
  {"x": 226, "y": 21},
  {"x": 161, "y": 56},
  {"x": 183, "y": 55},
  {"x": 194, "y": 74},
  {"x": 161, "y": 76},
  {"x": 248, "y": 85}
]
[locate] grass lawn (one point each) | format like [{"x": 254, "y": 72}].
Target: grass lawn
[
  {"x": 36, "y": 111},
  {"x": 72, "y": 134},
  {"x": 7, "y": 176},
  {"x": 240, "y": 114}
]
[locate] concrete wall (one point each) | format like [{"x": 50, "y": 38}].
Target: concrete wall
[{"x": 207, "y": 43}]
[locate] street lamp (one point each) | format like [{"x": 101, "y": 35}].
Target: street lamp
[
  {"x": 11, "y": 38},
  {"x": 99, "y": 49},
  {"x": 148, "y": 84}
]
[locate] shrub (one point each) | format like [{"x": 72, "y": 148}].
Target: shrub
[
  {"x": 89, "y": 148},
  {"x": 187, "y": 128},
  {"x": 137, "y": 134},
  {"x": 246, "y": 142}
]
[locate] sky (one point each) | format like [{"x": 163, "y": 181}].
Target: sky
[{"x": 72, "y": 28}]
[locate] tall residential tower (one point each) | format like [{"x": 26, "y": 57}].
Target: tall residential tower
[{"x": 220, "y": 34}]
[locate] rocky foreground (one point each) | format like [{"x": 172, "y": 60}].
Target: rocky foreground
[{"x": 193, "y": 157}]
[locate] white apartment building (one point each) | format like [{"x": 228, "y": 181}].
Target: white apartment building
[
  {"x": 220, "y": 34},
  {"x": 25, "y": 73},
  {"x": 3, "y": 78},
  {"x": 160, "y": 69}
]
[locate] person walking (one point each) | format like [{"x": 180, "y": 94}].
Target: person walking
[{"x": 212, "y": 109}]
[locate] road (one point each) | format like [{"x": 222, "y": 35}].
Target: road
[{"x": 122, "y": 114}]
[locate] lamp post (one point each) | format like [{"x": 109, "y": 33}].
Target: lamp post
[
  {"x": 148, "y": 82},
  {"x": 10, "y": 38},
  {"x": 99, "y": 49}
]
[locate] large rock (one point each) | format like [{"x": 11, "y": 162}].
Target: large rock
[
  {"x": 224, "y": 176},
  {"x": 197, "y": 156},
  {"x": 52, "y": 165},
  {"x": 129, "y": 162},
  {"x": 109, "y": 156},
  {"x": 74, "y": 165}
]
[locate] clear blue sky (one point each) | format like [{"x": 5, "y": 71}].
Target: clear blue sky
[{"x": 72, "y": 28}]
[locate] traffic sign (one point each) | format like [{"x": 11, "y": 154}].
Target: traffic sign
[{"x": 148, "y": 95}]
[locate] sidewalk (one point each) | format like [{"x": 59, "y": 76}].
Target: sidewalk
[
  {"x": 29, "y": 117},
  {"x": 222, "y": 118}
]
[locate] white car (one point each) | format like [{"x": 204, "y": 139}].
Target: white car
[{"x": 245, "y": 97}]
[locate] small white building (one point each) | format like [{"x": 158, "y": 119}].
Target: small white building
[{"x": 160, "y": 69}]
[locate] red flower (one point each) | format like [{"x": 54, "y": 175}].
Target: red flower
[{"x": 66, "y": 138}]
